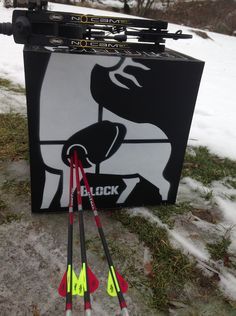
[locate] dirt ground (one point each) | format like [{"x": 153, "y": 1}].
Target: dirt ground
[{"x": 33, "y": 259}]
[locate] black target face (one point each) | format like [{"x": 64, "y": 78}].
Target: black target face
[{"x": 127, "y": 117}]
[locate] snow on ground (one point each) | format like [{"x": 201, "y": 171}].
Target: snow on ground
[
  {"x": 222, "y": 199},
  {"x": 12, "y": 102},
  {"x": 214, "y": 120},
  {"x": 191, "y": 234},
  {"x": 11, "y": 57}
]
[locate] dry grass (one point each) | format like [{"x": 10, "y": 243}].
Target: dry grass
[
  {"x": 218, "y": 16},
  {"x": 13, "y": 137}
]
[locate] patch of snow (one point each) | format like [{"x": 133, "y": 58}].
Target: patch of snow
[
  {"x": 187, "y": 245},
  {"x": 12, "y": 102},
  {"x": 196, "y": 186},
  {"x": 228, "y": 285},
  {"x": 228, "y": 209},
  {"x": 11, "y": 57},
  {"x": 191, "y": 235},
  {"x": 213, "y": 121},
  {"x": 227, "y": 282},
  {"x": 221, "y": 197},
  {"x": 177, "y": 236}
]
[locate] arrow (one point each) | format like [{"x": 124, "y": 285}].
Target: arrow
[
  {"x": 115, "y": 280},
  {"x": 65, "y": 284},
  {"x": 116, "y": 284},
  {"x": 88, "y": 282},
  {"x": 69, "y": 285},
  {"x": 82, "y": 283}
]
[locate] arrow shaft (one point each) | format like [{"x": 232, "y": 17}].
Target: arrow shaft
[
  {"x": 87, "y": 299},
  {"x": 69, "y": 268},
  {"x": 70, "y": 244},
  {"x": 120, "y": 296}
]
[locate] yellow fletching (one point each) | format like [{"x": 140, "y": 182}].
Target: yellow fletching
[
  {"x": 112, "y": 288},
  {"x": 82, "y": 284},
  {"x": 115, "y": 278},
  {"x": 68, "y": 278},
  {"x": 75, "y": 286}
]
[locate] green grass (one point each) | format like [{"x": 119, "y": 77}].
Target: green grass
[
  {"x": 231, "y": 182},
  {"x": 13, "y": 137},
  {"x": 3, "y": 206},
  {"x": 166, "y": 212},
  {"x": 18, "y": 188},
  {"x": 206, "y": 167},
  {"x": 207, "y": 195},
  {"x": 129, "y": 268},
  {"x": 6, "y": 216},
  {"x": 94, "y": 245},
  {"x": 123, "y": 258},
  {"x": 7, "y": 84},
  {"x": 171, "y": 268},
  {"x": 10, "y": 217},
  {"x": 219, "y": 249}
]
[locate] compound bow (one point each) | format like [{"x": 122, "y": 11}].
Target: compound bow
[{"x": 39, "y": 27}]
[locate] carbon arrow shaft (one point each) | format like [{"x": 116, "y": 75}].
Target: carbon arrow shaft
[
  {"x": 112, "y": 270},
  {"x": 87, "y": 300},
  {"x": 70, "y": 247}
]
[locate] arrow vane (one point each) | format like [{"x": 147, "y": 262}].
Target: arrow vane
[
  {"x": 65, "y": 284},
  {"x": 116, "y": 283}
]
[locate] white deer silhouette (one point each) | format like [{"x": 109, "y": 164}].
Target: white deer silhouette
[{"x": 67, "y": 106}]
